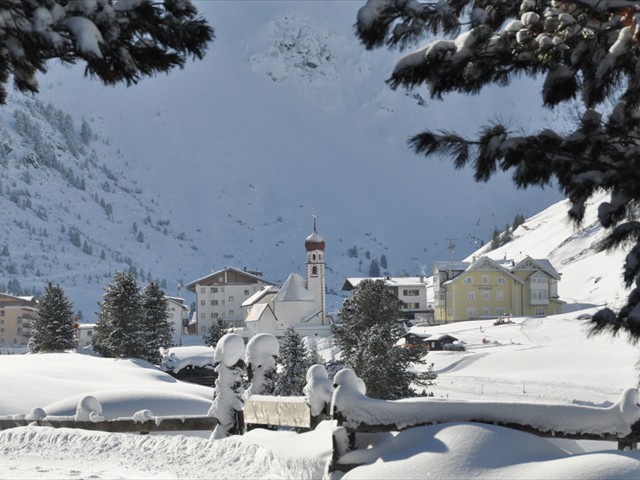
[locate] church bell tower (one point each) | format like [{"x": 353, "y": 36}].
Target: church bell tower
[{"x": 314, "y": 245}]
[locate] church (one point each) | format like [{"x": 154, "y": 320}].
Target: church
[{"x": 300, "y": 303}]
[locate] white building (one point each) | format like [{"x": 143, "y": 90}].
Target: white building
[
  {"x": 178, "y": 315},
  {"x": 300, "y": 303},
  {"x": 415, "y": 293},
  {"x": 220, "y": 295},
  {"x": 84, "y": 334}
]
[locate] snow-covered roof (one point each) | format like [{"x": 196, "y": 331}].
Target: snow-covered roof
[
  {"x": 294, "y": 290},
  {"x": 255, "y": 312},
  {"x": 259, "y": 295},
  {"x": 541, "y": 263},
  {"x": 450, "y": 265},
  {"x": 353, "y": 282},
  {"x": 250, "y": 275}
]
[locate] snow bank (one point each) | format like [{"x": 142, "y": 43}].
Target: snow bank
[
  {"x": 89, "y": 409},
  {"x": 176, "y": 358}
]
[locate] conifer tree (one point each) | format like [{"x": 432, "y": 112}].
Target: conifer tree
[
  {"x": 367, "y": 334},
  {"x": 158, "y": 331},
  {"x": 119, "y": 42},
  {"x": 215, "y": 332},
  {"x": 120, "y": 328},
  {"x": 374, "y": 268},
  {"x": 587, "y": 53},
  {"x": 294, "y": 361},
  {"x": 52, "y": 329}
]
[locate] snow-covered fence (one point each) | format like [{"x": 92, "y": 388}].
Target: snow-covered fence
[
  {"x": 89, "y": 417},
  {"x": 298, "y": 412},
  {"x": 357, "y": 413}
]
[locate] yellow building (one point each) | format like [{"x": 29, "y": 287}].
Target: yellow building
[
  {"x": 16, "y": 315},
  {"x": 488, "y": 288}
]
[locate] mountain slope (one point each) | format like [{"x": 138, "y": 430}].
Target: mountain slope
[{"x": 287, "y": 115}]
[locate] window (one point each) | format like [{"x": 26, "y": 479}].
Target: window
[
  {"x": 500, "y": 311},
  {"x": 246, "y": 292},
  {"x": 468, "y": 280},
  {"x": 411, "y": 293},
  {"x": 314, "y": 270},
  {"x": 485, "y": 296},
  {"x": 485, "y": 279},
  {"x": 499, "y": 295},
  {"x": 212, "y": 315},
  {"x": 471, "y": 295},
  {"x": 202, "y": 302},
  {"x": 231, "y": 313},
  {"x": 89, "y": 333},
  {"x": 1, "y": 313},
  {"x": 215, "y": 315},
  {"x": 502, "y": 280},
  {"x": 230, "y": 298},
  {"x": 412, "y": 305},
  {"x": 485, "y": 312},
  {"x": 471, "y": 312},
  {"x": 201, "y": 289},
  {"x": 214, "y": 289},
  {"x": 539, "y": 311},
  {"x": 539, "y": 295},
  {"x": 214, "y": 302}
]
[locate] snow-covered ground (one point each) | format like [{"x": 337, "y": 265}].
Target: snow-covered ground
[{"x": 532, "y": 360}]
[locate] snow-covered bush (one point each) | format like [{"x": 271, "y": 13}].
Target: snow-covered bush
[
  {"x": 261, "y": 353},
  {"x": 318, "y": 390},
  {"x": 227, "y": 402}
]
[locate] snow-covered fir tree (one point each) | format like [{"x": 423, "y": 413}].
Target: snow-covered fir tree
[
  {"x": 52, "y": 328},
  {"x": 367, "y": 336},
  {"x": 227, "y": 402},
  {"x": 587, "y": 53},
  {"x": 295, "y": 363},
  {"x": 120, "y": 328},
  {"x": 158, "y": 330},
  {"x": 260, "y": 355},
  {"x": 105, "y": 36},
  {"x": 215, "y": 332}
]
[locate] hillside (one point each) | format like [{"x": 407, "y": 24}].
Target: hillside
[
  {"x": 286, "y": 115},
  {"x": 589, "y": 277}
]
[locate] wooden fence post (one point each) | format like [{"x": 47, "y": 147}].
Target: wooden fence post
[{"x": 630, "y": 442}]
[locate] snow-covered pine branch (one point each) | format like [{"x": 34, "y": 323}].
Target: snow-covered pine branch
[{"x": 119, "y": 41}]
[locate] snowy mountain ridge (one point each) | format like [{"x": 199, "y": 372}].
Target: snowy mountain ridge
[{"x": 237, "y": 162}]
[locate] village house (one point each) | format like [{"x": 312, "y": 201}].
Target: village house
[
  {"x": 84, "y": 334},
  {"x": 300, "y": 303},
  {"x": 411, "y": 291},
  {"x": 220, "y": 295},
  {"x": 16, "y": 315},
  {"x": 487, "y": 288},
  {"x": 178, "y": 316}
]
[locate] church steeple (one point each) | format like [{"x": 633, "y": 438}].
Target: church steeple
[{"x": 314, "y": 245}]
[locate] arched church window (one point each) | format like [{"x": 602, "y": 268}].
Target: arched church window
[
  {"x": 314, "y": 256},
  {"x": 314, "y": 271}
]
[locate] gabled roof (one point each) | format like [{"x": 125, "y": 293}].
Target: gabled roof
[
  {"x": 485, "y": 263},
  {"x": 543, "y": 264},
  {"x": 255, "y": 313},
  {"x": 259, "y": 295},
  {"x": 294, "y": 290},
  {"x": 208, "y": 279}
]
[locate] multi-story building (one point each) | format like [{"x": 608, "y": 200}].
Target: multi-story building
[
  {"x": 16, "y": 315},
  {"x": 178, "y": 315},
  {"x": 221, "y": 294},
  {"x": 412, "y": 291},
  {"x": 489, "y": 288},
  {"x": 84, "y": 334}
]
